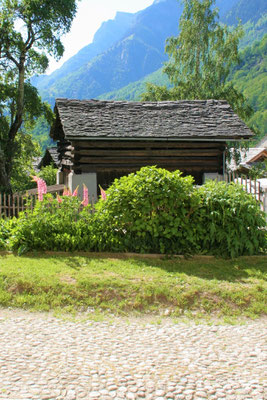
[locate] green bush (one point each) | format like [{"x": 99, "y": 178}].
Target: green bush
[
  {"x": 153, "y": 210},
  {"x": 6, "y": 227},
  {"x": 53, "y": 226},
  {"x": 49, "y": 175},
  {"x": 232, "y": 219}
]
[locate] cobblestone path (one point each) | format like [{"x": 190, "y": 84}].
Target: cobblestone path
[{"x": 45, "y": 358}]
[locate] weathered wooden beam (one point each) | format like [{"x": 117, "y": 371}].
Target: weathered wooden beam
[
  {"x": 89, "y": 144},
  {"x": 125, "y": 169},
  {"x": 183, "y": 166},
  {"x": 148, "y": 160},
  {"x": 144, "y": 153}
]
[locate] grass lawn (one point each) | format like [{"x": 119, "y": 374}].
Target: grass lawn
[{"x": 129, "y": 285}]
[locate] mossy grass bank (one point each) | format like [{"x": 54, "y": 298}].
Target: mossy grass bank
[{"x": 125, "y": 284}]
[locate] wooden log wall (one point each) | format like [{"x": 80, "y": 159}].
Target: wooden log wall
[
  {"x": 64, "y": 149},
  {"x": 128, "y": 156}
]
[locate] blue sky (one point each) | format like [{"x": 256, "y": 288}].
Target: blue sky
[{"x": 90, "y": 15}]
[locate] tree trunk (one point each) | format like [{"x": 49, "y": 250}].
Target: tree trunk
[
  {"x": 6, "y": 159},
  {"x": 20, "y": 102},
  {"x": 4, "y": 175}
]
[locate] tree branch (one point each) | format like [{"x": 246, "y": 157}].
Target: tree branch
[
  {"x": 11, "y": 58},
  {"x": 31, "y": 38}
]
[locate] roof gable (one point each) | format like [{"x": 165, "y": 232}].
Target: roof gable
[
  {"x": 175, "y": 120},
  {"x": 255, "y": 154}
]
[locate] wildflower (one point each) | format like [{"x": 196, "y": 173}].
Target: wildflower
[
  {"x": 41, "y": 187},
  {"x": 59, "y": 199},
  {"x": 75, "y": 193},
  {"x": 66, "y": 191},
  {"x": 85, "y": 201},
  {"x": 103, "y": 193}
]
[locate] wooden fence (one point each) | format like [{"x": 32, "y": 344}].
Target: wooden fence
[
  {"x": 251, "y": 186},
  {"x": 12, "y": 205}
]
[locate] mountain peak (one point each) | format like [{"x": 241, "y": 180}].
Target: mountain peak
[{"x": 122, "y": 14}]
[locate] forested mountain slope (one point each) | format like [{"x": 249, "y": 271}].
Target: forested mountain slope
[
  {"x": 245, "y": 11},
  {"x": 253, "y": 16},
  {"x": 250, "y": 77}
]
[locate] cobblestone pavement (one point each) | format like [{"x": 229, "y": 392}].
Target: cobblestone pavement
[{"x": 46, "y": 358}]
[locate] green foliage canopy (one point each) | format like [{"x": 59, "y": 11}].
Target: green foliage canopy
[{"x": 27, "y": 28}]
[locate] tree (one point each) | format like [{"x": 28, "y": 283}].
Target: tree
[
  {"x": 27, "y": 152},
  {"x": 201, "y": 58},
  {"x": 27, "y": 28}
]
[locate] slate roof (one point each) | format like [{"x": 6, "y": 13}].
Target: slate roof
[
  {"x": 35, "y": 163},
  {"x": 54, "y": 154},
  {"x": 198, "y": 119},
  {"x": 51, "y": 156}
]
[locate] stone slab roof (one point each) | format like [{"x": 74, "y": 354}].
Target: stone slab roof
[
  {"x": 54, "y": 154},
  {"x": 35, "y": 163},
  {"x": 50, "y": 157},
  {"x": 198, "y": 119}
]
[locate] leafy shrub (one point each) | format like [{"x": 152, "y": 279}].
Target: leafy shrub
[
  {"x": 53, "y": 226},
  {"x": 153, "y": 210},
  {"x": 48, "y": 174},
  {"x": 6, "y": 227},
  {"x": 232, "y": 219}
]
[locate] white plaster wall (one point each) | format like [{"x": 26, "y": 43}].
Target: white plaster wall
[
  {"x": 213, "y": 176},
  {"x": 89, "y": 179},
  {"x": 60, "y": 178}
]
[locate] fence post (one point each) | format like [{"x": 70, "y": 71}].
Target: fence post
[
  {"x": 259, "y": 191},
  {"x": 264, "y": 201}
]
